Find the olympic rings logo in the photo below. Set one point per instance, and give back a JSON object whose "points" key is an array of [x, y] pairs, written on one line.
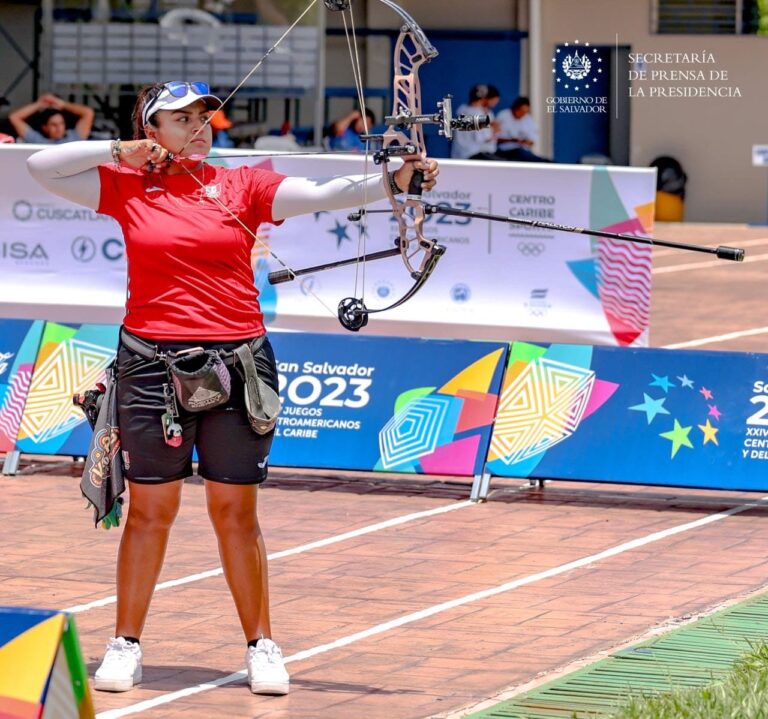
{"points": [[531, 249]]}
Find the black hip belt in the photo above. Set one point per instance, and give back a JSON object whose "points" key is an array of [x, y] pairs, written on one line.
{"points": [[151, 352], [198, 380]]}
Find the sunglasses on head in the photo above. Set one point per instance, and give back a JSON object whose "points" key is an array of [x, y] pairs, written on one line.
{"points": [[180, 89], [176, 89]]}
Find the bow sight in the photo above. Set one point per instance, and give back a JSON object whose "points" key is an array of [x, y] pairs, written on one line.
{"points": [[443, 117]]}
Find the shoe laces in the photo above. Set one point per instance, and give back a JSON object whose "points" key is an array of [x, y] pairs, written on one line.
{"points": [[266, 652], [120, 653]]}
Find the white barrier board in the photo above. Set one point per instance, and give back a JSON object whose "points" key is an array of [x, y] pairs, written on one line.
{"points": [[62, 262]]}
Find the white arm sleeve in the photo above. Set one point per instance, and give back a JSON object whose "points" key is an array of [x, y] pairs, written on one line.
{"points": [[69, 170], [302, 195]]}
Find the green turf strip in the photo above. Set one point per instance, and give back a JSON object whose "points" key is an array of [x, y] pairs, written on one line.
{"points": [[693, 656]]}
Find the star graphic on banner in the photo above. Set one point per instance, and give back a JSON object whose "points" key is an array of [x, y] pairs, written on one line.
{"points": [[662, 382], [318, 214], [710, 432], [715, 412], [678, 436], [707, 394], [651, 407], [685, 382], [341, 233]]}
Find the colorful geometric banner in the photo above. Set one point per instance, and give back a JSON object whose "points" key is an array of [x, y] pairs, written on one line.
{"points": [[42, 672], [19, 342], [641, 416], [72, 359], [386, 404], [619, 274]]}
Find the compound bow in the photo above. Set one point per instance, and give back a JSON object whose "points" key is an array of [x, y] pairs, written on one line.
{"points": [[404, 137]]}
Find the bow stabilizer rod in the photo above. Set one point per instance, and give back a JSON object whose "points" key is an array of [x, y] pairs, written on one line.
{"points": [[723, 252], [288, 275]]}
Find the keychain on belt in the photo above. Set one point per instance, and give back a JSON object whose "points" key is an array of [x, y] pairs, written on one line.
{"points": [[171, 428]]}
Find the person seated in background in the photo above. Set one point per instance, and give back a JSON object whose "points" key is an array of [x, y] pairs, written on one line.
{"points": [[478, 144], [220, 123], [53, 125], [517, 133], [345, 132]]}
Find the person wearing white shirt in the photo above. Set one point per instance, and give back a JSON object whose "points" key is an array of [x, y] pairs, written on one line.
{"points": [[517, 133], [478, 144]]}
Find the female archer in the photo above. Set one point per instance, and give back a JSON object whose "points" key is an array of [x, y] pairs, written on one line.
{"points": [[189, 229]]}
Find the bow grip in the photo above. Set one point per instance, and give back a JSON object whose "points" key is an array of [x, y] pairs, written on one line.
{"points": [[414, 187]]}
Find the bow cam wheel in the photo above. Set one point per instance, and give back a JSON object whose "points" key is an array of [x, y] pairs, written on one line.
{"points": [[353, 314]]}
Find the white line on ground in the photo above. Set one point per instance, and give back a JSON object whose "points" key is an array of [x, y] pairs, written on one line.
{"points": [[437, 608], [395, 521], [702, 265], [718, 338]]}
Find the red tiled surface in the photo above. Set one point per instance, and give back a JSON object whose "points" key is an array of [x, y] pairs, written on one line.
{"points": [[52, 557]]}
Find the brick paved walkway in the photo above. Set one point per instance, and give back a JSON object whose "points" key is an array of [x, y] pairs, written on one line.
{"points": [[445, 661]]}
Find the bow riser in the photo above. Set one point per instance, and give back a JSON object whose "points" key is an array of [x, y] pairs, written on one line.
{"points": [[416, 249]]}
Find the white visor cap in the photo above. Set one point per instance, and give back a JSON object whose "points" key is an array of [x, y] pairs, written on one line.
{"points": [[166, 100]]}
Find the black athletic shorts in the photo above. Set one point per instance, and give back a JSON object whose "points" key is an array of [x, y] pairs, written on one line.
{"points": [[228, 449]]}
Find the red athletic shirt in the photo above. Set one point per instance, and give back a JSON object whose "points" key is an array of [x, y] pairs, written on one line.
{"points": [[189, 260]]}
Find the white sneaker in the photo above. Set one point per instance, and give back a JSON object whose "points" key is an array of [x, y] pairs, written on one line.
{"points": [[121, 668], [266, 670]]}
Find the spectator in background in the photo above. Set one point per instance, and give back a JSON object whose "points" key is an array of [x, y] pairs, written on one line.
{"points": [[345, 132], [220, 123], [518, 133], [53, 125], [479, 144]]}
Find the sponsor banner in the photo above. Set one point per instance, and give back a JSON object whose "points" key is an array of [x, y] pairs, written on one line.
{"points": [[386, 404], [640, 416], [72, 359], [19, 342], [495, 280]]}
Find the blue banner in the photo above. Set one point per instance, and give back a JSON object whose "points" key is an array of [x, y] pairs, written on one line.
{"points": [[386, 404], [643, 416]]}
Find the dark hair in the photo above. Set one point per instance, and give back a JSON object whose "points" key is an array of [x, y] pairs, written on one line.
{"points": [[521, 101], [47, 114], [146, 94], [370, 115], [483, 92]]}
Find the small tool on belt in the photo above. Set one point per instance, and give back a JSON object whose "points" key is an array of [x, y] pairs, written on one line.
{"points": [[172, 430]]}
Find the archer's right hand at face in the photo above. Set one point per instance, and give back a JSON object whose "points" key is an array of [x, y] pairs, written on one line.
{"points": [[143, 154]]}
